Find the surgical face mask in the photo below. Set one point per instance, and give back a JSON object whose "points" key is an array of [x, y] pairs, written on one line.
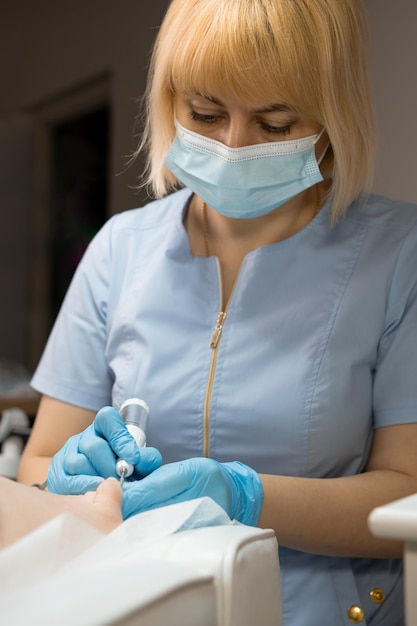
{"points": [[243, 182]]}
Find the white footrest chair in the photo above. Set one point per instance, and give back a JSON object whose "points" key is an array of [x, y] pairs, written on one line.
{"points": [[180, 565]]}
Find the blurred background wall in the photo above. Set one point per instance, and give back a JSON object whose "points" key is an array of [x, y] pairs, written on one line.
{"points": [[71, 74], [393, 26]]}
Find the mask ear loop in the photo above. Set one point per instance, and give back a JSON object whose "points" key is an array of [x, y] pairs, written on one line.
{"points": [[317, 139]]}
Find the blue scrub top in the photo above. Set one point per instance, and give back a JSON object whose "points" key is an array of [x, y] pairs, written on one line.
{"points": [[319, 348]]}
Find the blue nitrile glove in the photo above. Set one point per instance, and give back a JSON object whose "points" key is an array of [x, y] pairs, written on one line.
{"points": [[89, 457], [235, 487]]}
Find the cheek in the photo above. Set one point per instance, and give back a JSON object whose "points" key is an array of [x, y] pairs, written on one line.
{"points": [[181, 116], [178, 108]]}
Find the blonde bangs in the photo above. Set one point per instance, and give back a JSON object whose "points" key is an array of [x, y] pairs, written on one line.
{"points": [[233, 50]]}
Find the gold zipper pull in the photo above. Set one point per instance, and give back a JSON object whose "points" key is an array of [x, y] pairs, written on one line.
{"points": [[215, 338]]}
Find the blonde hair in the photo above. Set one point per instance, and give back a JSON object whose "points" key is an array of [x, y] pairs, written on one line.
{"points": [[309, 54]]}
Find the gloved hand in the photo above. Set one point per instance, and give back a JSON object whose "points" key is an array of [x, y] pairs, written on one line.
{"points": [[235, 487], [89, 457]]}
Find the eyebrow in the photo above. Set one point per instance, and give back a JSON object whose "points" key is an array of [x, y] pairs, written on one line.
{"points": [[273, 108], [276, 107]]}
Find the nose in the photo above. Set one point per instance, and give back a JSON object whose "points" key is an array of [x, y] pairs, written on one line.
{"points": [[236, 133]]}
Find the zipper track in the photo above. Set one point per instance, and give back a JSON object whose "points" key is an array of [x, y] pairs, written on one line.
{"points": [[214, 345]]}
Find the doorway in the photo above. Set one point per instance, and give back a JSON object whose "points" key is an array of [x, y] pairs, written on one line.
{"points": [[71, 191]]}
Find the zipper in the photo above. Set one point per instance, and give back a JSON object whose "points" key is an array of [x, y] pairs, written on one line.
{"points": [[214, 345], [215, 337]]}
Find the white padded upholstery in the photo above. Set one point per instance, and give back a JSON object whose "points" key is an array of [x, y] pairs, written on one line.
{"points": [[398, 520], [151, 571]]}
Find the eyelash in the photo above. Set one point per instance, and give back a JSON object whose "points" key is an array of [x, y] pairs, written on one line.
{"points": [[211, 119], [276, 130]]}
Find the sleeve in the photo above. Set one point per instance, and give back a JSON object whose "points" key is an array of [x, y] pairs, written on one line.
{"points": [[395, 382], [73, 367]]}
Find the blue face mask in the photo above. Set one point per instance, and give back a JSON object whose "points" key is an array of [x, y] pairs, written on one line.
{"points": [[243, 182]]}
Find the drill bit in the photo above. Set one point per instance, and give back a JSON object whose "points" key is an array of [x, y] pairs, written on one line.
{"points": [[123, 471]]}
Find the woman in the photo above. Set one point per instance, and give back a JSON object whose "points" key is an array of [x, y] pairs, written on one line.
{"points": [[266, 311]]}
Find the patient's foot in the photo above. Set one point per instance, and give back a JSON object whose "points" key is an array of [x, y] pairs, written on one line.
{"points": [[23, 508], [101, 508]]}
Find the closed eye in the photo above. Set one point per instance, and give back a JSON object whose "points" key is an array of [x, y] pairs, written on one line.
{"points": [[203, 117], [276, 130]]}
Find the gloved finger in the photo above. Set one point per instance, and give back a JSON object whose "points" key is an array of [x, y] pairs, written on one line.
{"points": [[150, 460], [73, 485], [160, 488], [77, 463], [109, 425], [68, 461], [167, 481], [98, 454]]}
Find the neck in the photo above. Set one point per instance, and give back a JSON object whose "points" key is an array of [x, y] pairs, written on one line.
{"points": [[218, 232]]}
